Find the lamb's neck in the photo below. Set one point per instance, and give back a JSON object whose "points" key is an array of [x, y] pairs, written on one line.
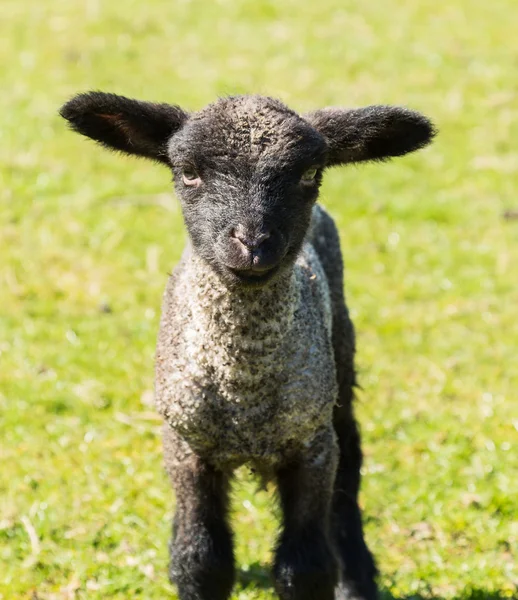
{"points": [[252, 319]]}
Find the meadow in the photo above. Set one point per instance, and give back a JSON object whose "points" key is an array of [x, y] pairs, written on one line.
{"points": [[87, 239]]}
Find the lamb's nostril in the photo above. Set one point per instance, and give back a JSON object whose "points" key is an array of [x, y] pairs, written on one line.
{"points": [[248, 239], [257, 240]]}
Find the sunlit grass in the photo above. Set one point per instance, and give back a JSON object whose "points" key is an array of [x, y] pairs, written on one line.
{"points": [[87, 239]]}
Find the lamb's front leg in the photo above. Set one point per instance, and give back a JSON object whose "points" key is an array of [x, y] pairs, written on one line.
{"points": [[202, 561], [305, 565]]}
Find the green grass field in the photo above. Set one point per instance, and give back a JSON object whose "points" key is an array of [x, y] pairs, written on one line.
{"points": [[87, 239]]}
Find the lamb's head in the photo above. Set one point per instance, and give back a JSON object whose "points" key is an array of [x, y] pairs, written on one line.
{"points": [[247, 169]]}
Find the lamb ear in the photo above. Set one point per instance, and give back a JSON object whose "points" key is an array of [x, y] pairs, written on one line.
{"points": [[371, 133], [119, 123]]}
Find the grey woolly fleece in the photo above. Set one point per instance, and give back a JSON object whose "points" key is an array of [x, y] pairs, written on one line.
{"points": [[248, 375]]}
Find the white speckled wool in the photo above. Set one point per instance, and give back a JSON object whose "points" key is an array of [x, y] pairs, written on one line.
{"points": [[248, 375]]}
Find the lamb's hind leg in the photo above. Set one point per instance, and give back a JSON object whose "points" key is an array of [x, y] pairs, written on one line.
{"points": [[358, 567], [305, 565], [202, 562]]}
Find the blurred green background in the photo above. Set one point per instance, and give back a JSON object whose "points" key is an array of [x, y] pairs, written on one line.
{"points": [[87, 239]]}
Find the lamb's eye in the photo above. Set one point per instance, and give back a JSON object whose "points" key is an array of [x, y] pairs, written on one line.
{"points": [[190, 177], [309, 175]]}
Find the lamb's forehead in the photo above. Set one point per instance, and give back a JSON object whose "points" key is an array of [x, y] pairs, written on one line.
{"points": [[256, 126]]}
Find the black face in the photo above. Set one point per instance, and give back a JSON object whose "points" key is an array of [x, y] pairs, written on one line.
{"points": [[247, 187], [247, 168]]}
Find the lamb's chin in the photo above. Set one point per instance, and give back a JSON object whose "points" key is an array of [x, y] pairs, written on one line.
{"points": [[238, 279], [252, 279]]}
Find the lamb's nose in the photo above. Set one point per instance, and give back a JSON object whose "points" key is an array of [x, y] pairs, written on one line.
{"points": [[251, 240]]}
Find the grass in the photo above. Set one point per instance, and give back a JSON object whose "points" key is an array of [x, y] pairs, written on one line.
{"points": [[87, 239]]}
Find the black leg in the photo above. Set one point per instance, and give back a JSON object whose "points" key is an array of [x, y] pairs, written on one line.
{"points": [[202, 562], [305, 566], [358, 567]]}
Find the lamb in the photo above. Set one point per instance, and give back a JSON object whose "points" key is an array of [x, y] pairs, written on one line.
{"points": [[255, 355]]}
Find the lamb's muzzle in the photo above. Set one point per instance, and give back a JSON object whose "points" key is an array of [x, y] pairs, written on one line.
{"points": [[254, 251]]}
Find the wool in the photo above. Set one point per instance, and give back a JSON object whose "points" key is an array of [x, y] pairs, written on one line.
{"points": [[248, 376]]}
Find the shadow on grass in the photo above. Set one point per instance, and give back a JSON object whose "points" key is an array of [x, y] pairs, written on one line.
{"points": [[467, 594], [258, 576]]}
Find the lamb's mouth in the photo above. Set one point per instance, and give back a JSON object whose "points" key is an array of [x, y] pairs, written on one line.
{"points": [[254, 277]]}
